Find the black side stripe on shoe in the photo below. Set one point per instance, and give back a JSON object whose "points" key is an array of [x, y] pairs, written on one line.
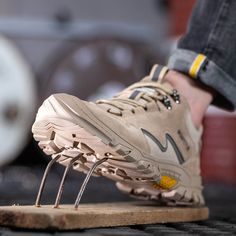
{"points": [[134, 94], [164, 148]]}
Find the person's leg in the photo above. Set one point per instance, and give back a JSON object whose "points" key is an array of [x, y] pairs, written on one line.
{"points": [[203, 66]]}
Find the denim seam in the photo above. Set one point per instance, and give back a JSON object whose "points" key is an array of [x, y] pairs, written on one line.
{"points": [[215, 30], [212, 76]]}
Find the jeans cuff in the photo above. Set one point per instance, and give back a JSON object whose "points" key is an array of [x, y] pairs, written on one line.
{"points": [[199, 67]]}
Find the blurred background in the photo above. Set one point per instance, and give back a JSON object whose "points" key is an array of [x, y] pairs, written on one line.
{"points": [[91, 49]]}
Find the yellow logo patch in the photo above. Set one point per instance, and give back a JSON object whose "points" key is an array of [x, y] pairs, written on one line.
{"points": [[166, 182]]}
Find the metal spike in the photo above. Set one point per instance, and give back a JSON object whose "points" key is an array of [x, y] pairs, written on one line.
{"points": [[95, 165], [42, 184], [61, 188]]}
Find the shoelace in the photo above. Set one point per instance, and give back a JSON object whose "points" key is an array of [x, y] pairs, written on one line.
{"points": [[160, 93]]}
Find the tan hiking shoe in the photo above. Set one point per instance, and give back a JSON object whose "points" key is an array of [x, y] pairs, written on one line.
{"points": [[146, 133]]}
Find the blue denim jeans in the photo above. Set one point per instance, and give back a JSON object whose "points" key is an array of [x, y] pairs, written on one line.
{"points": [[207, 52]]}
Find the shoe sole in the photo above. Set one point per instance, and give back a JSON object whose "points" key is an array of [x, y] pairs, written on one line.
{"points": [[133, 173]]}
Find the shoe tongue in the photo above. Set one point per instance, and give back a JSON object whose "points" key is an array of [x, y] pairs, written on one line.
{"points": [[157, 74], [132, 94], [145, 90]]}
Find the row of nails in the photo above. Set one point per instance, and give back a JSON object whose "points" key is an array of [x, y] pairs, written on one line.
{"points": [[61, 188]]}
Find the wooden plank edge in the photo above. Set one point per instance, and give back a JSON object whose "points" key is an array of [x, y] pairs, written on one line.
{"points": [[65, 220]]}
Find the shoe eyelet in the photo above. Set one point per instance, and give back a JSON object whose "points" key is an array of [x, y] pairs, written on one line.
{"points": [[176, 97], [133, 111], [145, 108], [166, 102]]}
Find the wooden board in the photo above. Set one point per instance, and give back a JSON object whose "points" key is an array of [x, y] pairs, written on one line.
{"points": [[97, 215]]}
